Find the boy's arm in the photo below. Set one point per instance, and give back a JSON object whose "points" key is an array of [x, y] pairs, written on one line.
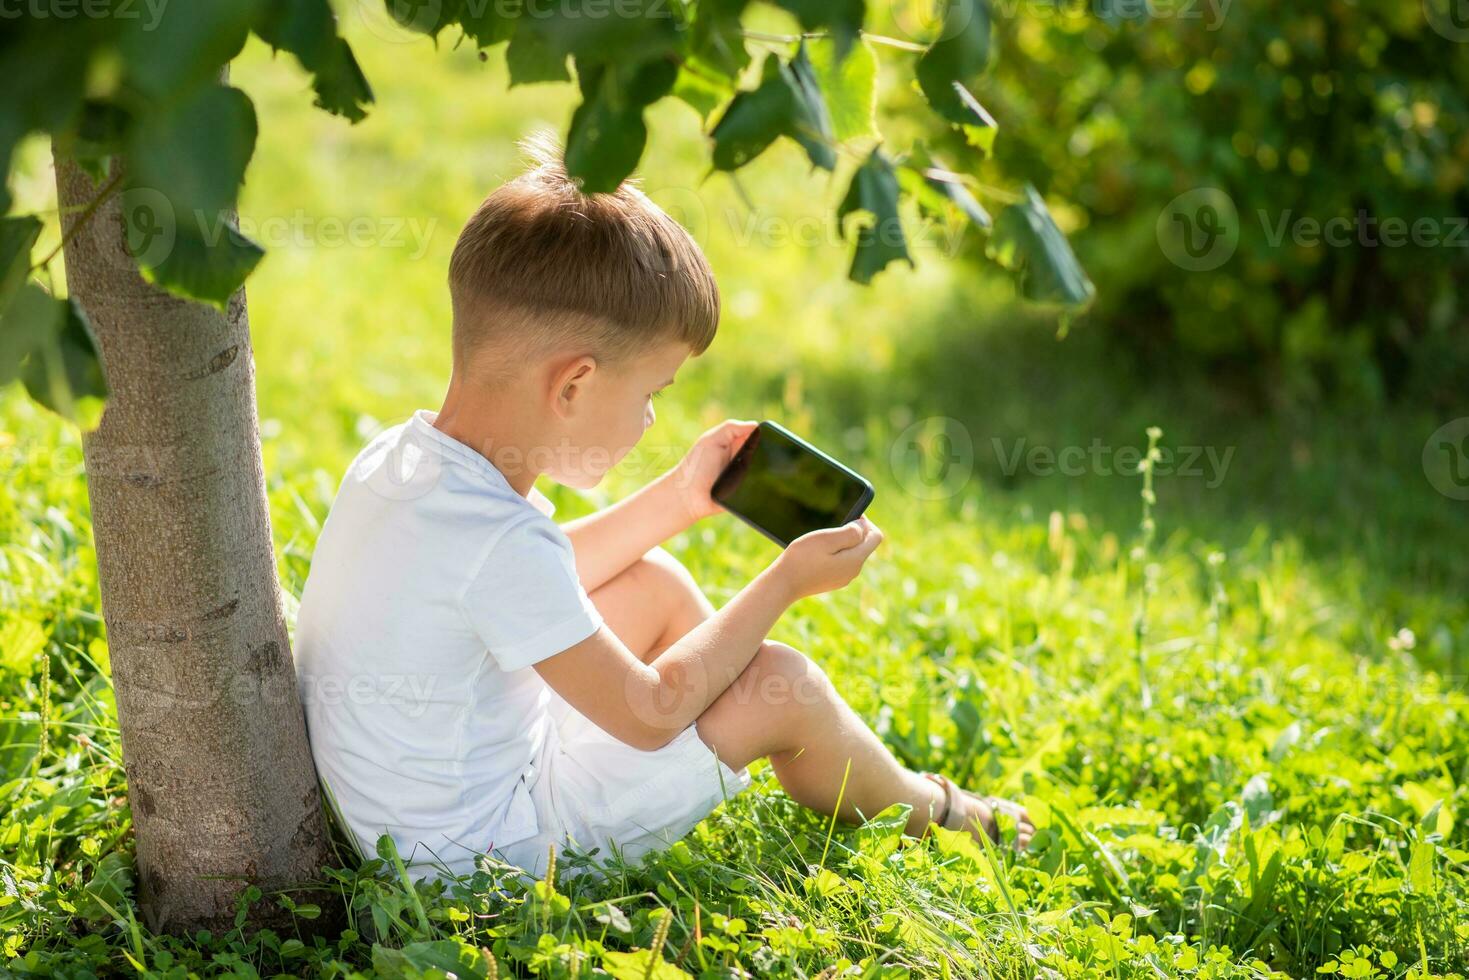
{"points": [[646, 704], [613, 538]]}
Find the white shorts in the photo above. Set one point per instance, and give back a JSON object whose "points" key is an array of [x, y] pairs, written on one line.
{"points": [[596, 792]]}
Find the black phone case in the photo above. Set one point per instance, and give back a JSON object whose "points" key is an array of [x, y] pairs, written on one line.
{"points": [[749, 445]]}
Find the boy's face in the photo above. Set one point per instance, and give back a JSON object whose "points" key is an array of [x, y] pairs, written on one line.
{"points": [[606, 409]]}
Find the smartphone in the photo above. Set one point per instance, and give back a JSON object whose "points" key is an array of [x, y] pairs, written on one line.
{"points": [[783, 486]]}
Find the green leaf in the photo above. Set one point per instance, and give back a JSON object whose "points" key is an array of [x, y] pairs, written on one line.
{"points": [[874, 189], [21, 639], [187, 167], [27, 319], [17, 237], [1257, 800], [957, 57], [631, 32], [65, 374], [641, 964], [308, 30], [435, 958], [106, 895], [812, 123], [184, 45], [716, 37], [96, 135], [703, 90], [531, 57], [196, 154], [45, 71], [937, 189], [980, 129], [488, 22], [607, 132], [788, 102], [1262, 879], [205, 258], [427, 16], [753, 120], [62, 368], [842, 17], [880, 836], [1420, 867], [849, 86], [1026, 241]]}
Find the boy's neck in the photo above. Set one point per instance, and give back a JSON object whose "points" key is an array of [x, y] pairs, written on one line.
{"points": [[490, 428]]}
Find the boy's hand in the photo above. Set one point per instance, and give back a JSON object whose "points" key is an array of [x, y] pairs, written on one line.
{"points": [[693, 478], [826, 560]]}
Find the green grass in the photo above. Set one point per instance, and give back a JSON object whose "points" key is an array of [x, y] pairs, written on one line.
{"points": [[1273, 779]]}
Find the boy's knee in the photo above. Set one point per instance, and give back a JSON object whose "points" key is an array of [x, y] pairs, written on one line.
{"points": [[782, 676], [668, 577], [658, 560]]}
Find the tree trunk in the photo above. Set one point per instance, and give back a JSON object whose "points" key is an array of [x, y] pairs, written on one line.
{"points": [[220, 778]]}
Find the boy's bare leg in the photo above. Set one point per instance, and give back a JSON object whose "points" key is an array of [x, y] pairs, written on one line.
{"points": [[782, 706], [652, 603]]}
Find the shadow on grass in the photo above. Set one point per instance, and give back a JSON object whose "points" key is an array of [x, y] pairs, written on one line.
{"points": [[1043, 424]]}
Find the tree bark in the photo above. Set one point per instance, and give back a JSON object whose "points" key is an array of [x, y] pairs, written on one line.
{"points": [[220, 777]]}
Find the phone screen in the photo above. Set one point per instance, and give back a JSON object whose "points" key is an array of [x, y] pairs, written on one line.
{"points": [[784, 487]]}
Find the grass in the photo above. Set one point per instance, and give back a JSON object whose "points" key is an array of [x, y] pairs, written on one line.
{"points": [[1259, 770]]}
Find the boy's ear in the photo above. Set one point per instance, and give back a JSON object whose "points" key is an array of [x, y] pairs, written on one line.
{"points": [[569, 384]]}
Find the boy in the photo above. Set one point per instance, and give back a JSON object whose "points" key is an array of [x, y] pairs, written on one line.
{"points": [[479, 679]]}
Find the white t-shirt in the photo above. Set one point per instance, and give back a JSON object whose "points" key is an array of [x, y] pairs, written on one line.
{"points": [[433, 589]]}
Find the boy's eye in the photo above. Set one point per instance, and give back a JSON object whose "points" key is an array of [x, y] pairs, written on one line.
{"points": [[658, 393]]}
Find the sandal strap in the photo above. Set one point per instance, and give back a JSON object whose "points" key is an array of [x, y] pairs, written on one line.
{"points": [[949, 793]]}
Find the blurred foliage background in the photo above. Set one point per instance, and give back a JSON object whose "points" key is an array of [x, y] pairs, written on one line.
{"points": [[1299, 113]]}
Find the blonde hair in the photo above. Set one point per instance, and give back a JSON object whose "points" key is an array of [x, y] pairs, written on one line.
{"points": [[541, 264]]}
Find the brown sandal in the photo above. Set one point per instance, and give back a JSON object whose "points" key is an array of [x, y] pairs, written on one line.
{"points": [[952, 792]]}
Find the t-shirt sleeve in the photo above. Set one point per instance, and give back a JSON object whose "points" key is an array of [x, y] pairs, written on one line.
{"points": [[524, 600]]}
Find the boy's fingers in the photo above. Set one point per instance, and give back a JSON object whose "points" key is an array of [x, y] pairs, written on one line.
{"points": [[858, 533], [870, 543], [839, 538]]}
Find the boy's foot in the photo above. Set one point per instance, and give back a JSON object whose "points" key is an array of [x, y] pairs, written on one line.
{"points": [[963, 810]]}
